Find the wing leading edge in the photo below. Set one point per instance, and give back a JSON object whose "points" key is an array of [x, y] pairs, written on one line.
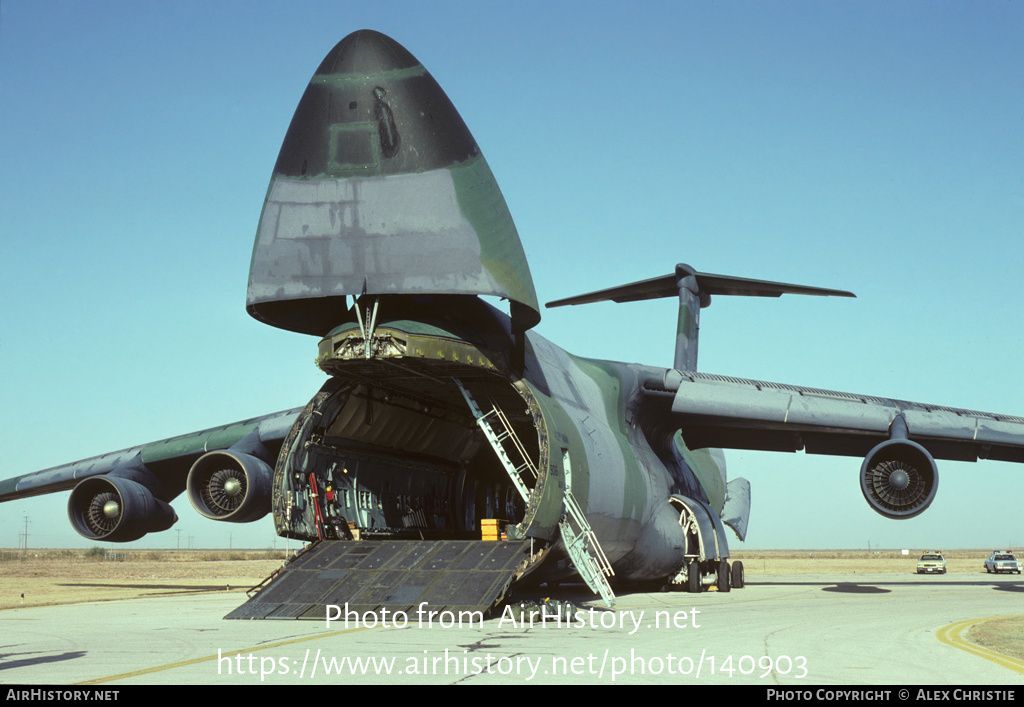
{"points": [[122, 495], [720, 411], [178, 453], [899, 439]]}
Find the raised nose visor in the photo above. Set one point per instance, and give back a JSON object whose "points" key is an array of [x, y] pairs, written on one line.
{"points": [[380, 189], [415, 577]]}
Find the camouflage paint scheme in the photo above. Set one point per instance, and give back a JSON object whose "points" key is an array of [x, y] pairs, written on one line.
{"points": [[380, 188], [382, 228]]}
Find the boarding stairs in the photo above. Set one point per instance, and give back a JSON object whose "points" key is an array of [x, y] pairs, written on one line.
{"points": [[498, 439], [579, 538], [585, 551]]}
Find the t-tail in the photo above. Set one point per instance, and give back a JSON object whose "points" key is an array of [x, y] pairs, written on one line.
{"points": [[694, 290]]}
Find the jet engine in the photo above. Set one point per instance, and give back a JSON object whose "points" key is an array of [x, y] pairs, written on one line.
{"points": [[899, 478], [230, 485], [116, 509]]}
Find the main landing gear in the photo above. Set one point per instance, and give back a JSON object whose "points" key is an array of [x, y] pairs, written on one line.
{"points": [[722, 575]]}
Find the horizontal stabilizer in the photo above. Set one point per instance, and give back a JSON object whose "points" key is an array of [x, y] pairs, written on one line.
{"points": [[709, 284]]}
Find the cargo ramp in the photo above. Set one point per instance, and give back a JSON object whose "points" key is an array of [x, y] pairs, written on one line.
{"points": [[369, 575]]}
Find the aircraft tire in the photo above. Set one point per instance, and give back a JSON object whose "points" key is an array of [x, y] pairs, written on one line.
{"points": [[723, 576], [738, 580], [693, 578]]}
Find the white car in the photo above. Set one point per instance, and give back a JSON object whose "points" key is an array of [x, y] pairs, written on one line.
{"points": [[931, 562], [1003, 561]]}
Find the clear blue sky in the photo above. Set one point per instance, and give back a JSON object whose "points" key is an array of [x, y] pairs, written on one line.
{"points": [[870, 146]]}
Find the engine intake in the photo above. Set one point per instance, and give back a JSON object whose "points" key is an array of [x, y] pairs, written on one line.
{"points": [[231, 486], [899, 478], [117, 510]]}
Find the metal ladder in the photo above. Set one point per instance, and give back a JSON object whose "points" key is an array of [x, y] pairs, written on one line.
{"points": [[580, 541], [582, 545], [497, 440]]}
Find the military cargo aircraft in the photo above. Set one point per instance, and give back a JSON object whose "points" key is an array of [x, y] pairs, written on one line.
{"points": [[452, 451]]}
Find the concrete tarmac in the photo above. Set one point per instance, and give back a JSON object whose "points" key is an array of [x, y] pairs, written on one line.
{"points": [[798, 630]]}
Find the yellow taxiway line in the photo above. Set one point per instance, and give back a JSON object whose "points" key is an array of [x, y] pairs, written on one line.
{"points": [[951, 635], [204, 659]]}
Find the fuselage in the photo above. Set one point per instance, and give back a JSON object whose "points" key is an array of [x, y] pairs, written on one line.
{"points": [[391, 446]]}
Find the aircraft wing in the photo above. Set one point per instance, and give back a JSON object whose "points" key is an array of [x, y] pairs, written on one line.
{"points": [[734, 413], [899, 439], [168, 460]]}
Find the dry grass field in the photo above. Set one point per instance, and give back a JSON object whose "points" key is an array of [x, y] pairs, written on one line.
{"points": [[775, 562], [46, 577], [71, 576]]}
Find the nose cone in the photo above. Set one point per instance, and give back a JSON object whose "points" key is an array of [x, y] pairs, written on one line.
{"points": [[380, 189]]}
